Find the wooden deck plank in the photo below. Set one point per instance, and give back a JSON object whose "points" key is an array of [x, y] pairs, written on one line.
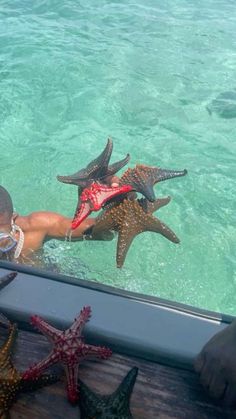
{"points": [[160, 391]]}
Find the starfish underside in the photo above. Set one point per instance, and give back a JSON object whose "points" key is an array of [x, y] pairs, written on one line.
{"points": [[69, 349], [113, 406], [142, 178], [97, 170], [93, 198], [131, 218], [6, 279], [11, 381]]}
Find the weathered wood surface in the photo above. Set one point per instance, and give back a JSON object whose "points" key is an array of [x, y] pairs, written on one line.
{"points": [[160, 391]]}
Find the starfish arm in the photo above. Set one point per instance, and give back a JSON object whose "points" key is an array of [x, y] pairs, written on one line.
{"points": [[153, 206], [107, 193], [121, 397], [148, 191], [125, 238], [10, 388], [88, 400], [97, 351], [160, 202], [6, 279], [74, 180], [71, 180], [71, 371], [80, 190], [100, 164], [81, 213], [6, 367], [94, 170], [36, 370], [127, 384], [157, 226], [38, 382], [115, 167], [12, 385], [49, 331], [7, 347], [163, 174], [81, 319]]}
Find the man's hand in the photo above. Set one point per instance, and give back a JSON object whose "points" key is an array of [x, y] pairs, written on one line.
{"points": [[216, 365], [104, 235]]}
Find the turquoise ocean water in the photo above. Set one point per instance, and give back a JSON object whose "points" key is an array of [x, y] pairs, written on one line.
{"points": [[73, 73]]}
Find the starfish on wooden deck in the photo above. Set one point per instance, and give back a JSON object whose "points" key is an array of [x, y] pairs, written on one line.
{"points": [[98, 170], [112, 406], [131, 218], [93, 198], [11, 381], [142, 178], [6, 279], [69, 349]]}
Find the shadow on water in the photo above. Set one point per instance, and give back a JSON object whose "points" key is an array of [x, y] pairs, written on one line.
{"points": [[224, 105]]}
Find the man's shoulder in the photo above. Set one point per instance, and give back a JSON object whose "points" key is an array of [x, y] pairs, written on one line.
{"points": [[38, 220]]}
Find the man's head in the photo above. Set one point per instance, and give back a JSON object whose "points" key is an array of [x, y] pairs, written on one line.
{"points": [[7, 242], [6, 207]]}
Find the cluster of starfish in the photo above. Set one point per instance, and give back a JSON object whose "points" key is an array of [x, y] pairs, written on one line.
{"points": [[69, 348], [12, 381], [123, 212]]}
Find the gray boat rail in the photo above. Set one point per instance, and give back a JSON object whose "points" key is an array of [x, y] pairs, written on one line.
{"points": [[134, 324]]}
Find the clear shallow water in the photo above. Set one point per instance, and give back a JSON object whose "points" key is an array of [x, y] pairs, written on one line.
{"points": [[72, 74]]}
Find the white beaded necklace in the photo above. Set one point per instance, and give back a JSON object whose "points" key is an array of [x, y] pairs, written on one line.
{"points": [[20, 242]]}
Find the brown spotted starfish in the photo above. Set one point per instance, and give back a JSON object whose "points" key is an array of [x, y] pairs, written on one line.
{"points": [[142, 178], [96, 171], [11, 381], [112, 406], [131, 218], [6, 279], [69, 349]]}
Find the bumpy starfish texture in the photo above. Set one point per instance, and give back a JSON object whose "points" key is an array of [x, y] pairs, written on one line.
{"points": [[142, 178], [93, 198], [11, 381], [131, 218], [69, 349], [113, 406], [6, 279], [98, 170]]}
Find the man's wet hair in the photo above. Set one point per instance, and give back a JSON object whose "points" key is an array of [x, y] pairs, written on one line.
{"points": [[6, 205]]}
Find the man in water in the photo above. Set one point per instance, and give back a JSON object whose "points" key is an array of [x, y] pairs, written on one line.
{"points": [[22, 236], [216, 365]]}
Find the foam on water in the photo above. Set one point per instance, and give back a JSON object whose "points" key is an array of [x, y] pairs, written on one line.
{"points": [[71, 74]]}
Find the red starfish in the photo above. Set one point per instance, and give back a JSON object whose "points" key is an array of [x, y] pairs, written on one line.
{"points": [[69, 349], [93, 198]]}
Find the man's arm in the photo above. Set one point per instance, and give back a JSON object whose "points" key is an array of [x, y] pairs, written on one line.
{"points": [[53, 225]]}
